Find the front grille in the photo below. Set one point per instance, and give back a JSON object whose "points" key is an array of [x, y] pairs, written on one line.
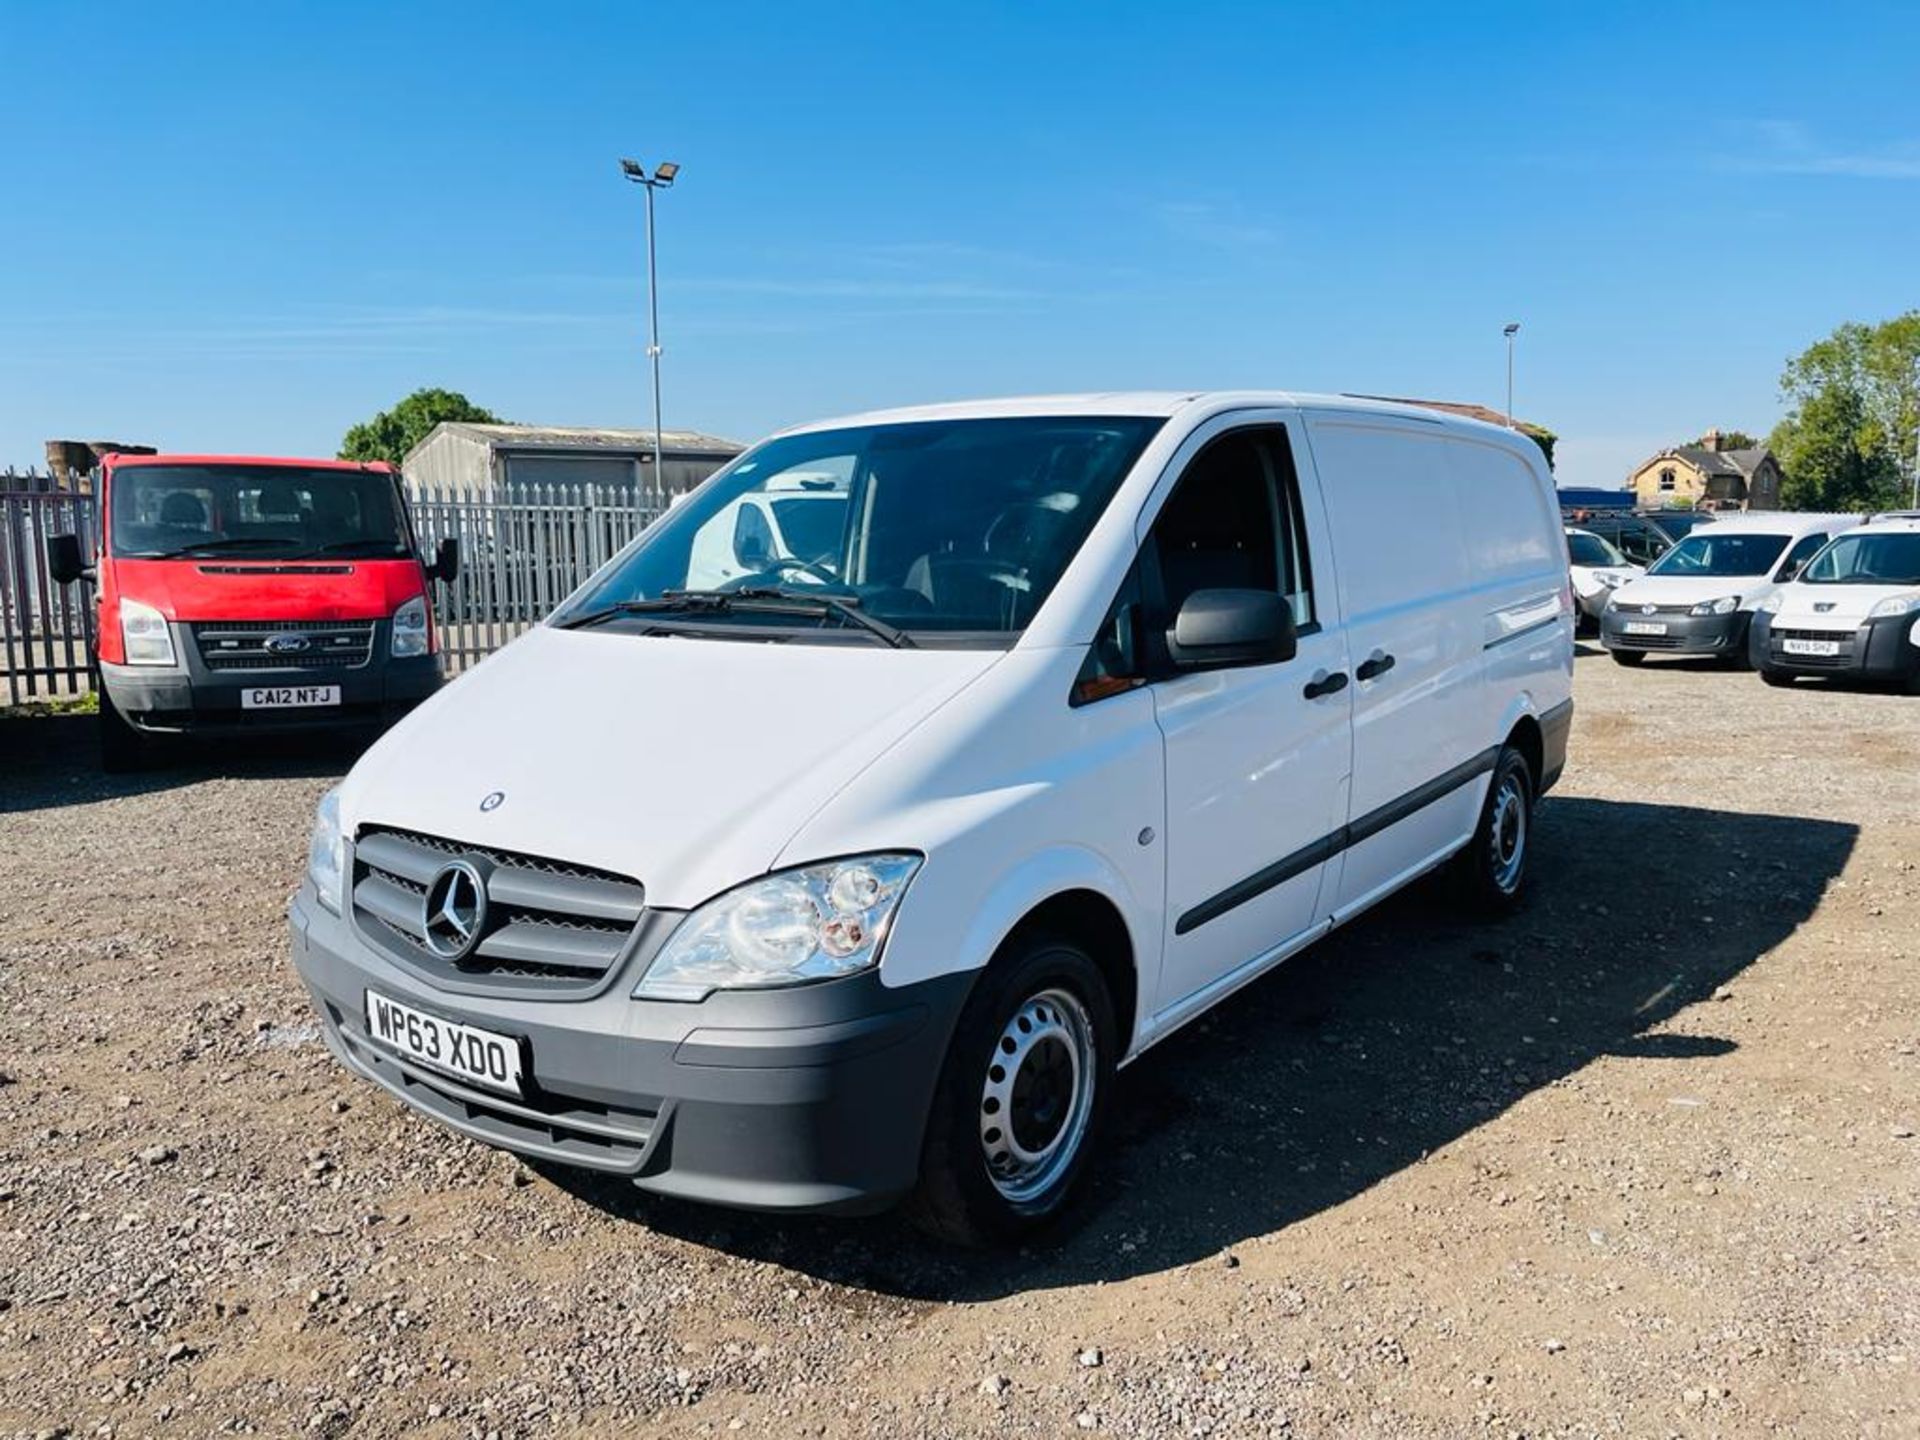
{"points": [[562, 1127], [1629, 611], [242, 644], [1777, 649], [550, 926], [1650, 642]]}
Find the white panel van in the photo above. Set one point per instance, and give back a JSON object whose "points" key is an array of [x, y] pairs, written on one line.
{"points": [[854, 877]]}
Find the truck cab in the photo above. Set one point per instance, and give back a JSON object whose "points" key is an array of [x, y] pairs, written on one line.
{"points": [[238, 594]]}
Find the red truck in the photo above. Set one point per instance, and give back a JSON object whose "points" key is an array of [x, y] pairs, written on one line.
{"points": [[242, 593]]}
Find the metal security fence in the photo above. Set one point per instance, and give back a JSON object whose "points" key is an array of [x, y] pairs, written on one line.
{"points": [[46, 630], [522, 551]]}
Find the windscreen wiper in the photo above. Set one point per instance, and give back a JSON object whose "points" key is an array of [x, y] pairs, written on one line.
{"points": [[764, 599]]}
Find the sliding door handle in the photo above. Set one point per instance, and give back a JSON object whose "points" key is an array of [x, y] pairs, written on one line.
{"points": [[1325, 684], [1375, 665]]}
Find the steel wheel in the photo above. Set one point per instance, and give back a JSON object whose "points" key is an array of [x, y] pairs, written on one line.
{"points": [[1507, 831], [1038, 1095]]}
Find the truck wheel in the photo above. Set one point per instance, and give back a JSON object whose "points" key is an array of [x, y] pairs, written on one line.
{"points": [[1021, 1096], [1492, 870], [1780, 678], [1628, 658], [122, 748]]}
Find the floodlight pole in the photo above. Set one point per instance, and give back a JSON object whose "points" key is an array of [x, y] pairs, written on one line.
{"points": [[663, 175], [1510, 330]]}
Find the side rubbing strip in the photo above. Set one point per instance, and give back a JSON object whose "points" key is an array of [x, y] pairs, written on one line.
{"points": [[1328, 846], [1514, 635]]}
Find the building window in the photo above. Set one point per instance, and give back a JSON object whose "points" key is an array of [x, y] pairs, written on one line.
{"points": [[1666, 480]]}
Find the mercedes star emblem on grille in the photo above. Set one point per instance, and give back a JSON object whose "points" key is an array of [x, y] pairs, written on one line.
{"points": [[454, 911], [287, 642]]}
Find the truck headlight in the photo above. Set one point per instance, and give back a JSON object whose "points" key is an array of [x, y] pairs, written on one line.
{"points": [[409, 629], [1725, 605], [1895, 605], [814, 923], [144, 632], [327, 852]]}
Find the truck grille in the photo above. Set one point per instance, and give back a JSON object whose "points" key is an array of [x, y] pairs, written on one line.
{"points": [[550, 928], [242, 644]]}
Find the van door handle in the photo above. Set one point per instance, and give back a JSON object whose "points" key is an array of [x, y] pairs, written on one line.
{"points": [[1325, 684], [1374, 665]]}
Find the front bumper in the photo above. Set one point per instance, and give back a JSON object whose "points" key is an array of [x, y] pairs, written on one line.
{"points": [[1878, 650], [192, 697], [809, 1098], [1685, 634]]}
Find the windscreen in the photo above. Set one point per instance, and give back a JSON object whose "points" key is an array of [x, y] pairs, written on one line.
{"points": [[1591, 550], [1721, 553], [1891, 558], [268, 512], [930, 526]]}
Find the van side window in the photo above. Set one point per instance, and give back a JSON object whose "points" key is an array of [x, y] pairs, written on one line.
{"points": [[1114, 662], [1802, 551], [752, 538], [1235, 522]]}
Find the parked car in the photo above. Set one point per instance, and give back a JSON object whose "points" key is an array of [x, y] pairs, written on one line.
{"points": [[1699, 598], [1638, 538], [1853, 612], [236, 594], [1596, 570], [814, 896]]}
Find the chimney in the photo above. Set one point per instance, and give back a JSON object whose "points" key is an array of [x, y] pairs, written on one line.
{"points": [[1712, 440]]}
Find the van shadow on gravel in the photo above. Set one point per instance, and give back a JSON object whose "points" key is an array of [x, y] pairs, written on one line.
{"points": [[1387, 1041], [47, 761]]}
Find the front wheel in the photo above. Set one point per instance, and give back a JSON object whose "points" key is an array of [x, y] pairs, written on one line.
{"points": [[122, 748], [1628, 658], [1779, 678], [1021, 1096], [1493, 868]]}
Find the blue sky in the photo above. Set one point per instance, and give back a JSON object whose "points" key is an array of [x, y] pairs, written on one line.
{"points": [[245, 228]]}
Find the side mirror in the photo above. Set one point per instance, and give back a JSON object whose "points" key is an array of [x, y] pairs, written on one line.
{"points": [[1219, 628], [752, 553], [446, 560], [64, 561]]}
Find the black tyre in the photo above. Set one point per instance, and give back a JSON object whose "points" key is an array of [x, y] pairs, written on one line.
{"points": [[1628, 658], [1492, 870], [1780, 678], [1021, 1097], [122, 748]]}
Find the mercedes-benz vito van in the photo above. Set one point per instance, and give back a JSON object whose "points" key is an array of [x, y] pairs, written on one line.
{"points": [[1854, 612], [856, 877]]}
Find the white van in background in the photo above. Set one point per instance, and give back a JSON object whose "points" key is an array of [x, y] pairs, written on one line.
{"points": [[855, 877], [1699, 597], [1853, 613]]}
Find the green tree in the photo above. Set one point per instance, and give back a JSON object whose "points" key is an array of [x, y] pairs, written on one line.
{"points": [[392, 433], [1833, 453], [1729, 440], [1854, 407]]}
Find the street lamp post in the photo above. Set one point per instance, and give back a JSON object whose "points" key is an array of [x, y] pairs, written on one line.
{"points": [[661, 178], [1510, 329]]}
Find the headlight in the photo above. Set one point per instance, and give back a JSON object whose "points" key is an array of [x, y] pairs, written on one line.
{"points": [[1895, 605], [1725, 605], [410, 628], [144, 631], [814, 923], [327, 852], [1773, 603], [1610, 580]]}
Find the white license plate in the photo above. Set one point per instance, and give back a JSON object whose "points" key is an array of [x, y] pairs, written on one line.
{"points": [[1645, 627], [288, 697], [1811, 647], [481, 1056]]}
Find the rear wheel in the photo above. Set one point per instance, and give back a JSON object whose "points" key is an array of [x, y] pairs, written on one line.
{"points": [[1492, 870], [1021, 1096], [122, 748], [1627, 657]]}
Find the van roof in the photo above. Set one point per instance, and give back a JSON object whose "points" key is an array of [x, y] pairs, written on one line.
{"points": [[1165, 403], [1895, 520], [120, 462], [1778, 522]]}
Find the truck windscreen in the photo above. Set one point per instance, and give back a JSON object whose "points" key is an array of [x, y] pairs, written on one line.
{"points": [[272, 512]]}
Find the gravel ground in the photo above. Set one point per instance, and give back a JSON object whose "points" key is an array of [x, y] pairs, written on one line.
{"points": [[1640, 1161]]}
